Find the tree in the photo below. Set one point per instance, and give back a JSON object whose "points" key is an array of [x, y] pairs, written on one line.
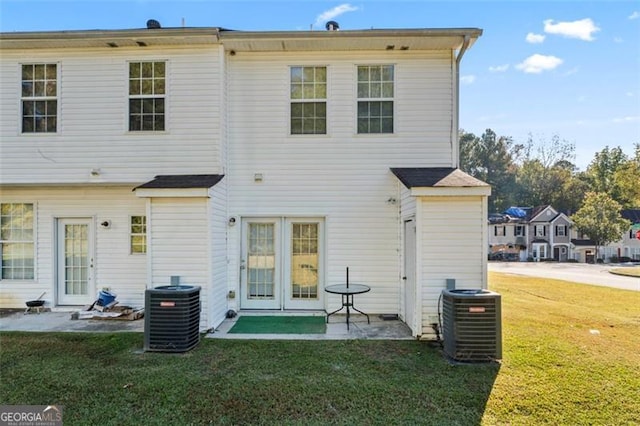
{"points": [[599, 218], [603, 169], [491, 159], [545, 172], [627, 180]]}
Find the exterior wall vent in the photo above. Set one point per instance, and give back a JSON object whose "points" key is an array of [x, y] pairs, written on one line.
{"points": [[472, 327]]}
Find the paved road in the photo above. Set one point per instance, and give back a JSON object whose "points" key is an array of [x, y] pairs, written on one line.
{"points": [[576, 272]]}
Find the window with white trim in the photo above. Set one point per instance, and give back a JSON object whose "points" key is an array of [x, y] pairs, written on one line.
{"points": [[499, 231], [518, 231], [39, 98], [561, 231], [308, 100], [147, 89], [138, 234], [540, 230], [375, 98], [17, 241]]}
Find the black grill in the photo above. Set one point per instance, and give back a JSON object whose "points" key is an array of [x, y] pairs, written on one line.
{"points": [[472, 329], [172, 318]]}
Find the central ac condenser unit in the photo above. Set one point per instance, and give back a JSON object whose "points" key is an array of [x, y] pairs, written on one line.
{"points": [[472, 326]]}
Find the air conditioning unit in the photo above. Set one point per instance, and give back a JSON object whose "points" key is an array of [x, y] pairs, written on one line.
{"points": [[471, 325], [172, 318]]}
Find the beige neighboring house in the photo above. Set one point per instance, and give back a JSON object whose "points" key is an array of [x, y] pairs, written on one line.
{"points": [[623, 250], [258, 165]]}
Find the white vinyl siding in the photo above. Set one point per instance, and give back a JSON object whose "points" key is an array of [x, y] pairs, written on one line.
{"points": [[97, 137], [179, 240], [114, 266], [453, 251], [346, 178]]}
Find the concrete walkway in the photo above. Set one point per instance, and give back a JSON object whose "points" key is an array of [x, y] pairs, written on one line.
{"points": [[336, 329]]}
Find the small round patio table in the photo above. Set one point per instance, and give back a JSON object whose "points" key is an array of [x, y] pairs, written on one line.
{"points": [[347, 291]]}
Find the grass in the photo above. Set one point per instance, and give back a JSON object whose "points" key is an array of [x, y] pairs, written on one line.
{"points": [[633, 271], [556, 370]]}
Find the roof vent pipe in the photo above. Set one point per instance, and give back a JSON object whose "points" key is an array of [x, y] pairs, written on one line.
{"points": [[153, 24], [332, 26]]}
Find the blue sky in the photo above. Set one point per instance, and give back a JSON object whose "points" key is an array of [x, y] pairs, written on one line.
{"points": [[566, 68]]}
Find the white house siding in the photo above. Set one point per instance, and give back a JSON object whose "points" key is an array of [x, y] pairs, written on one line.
{"points": [[451, 244], [114, 266], [341, 176], [179, 238], [219, 287], [93, 117]]}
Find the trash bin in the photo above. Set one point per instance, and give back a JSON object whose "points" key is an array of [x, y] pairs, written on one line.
{"points": [[172, 318]]}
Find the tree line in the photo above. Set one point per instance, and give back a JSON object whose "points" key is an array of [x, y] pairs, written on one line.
{"points": [[541, 172]]}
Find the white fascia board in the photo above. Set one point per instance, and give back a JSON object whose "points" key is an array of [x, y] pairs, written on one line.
{"points": [[172, 192], [451, 191]]}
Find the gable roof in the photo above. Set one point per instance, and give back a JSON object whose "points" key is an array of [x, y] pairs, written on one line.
{"points": [[181, 182], [420, 177]]}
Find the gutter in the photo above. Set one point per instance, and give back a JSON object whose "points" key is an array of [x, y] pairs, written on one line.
{"points": [[455, 147]]}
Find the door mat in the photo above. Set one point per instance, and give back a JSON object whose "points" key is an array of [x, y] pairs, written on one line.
{"points": [[279, 325]]}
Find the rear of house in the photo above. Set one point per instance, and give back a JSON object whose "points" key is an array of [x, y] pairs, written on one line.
{"points": [[257, 165]]}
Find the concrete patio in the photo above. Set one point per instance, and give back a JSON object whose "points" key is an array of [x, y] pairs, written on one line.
{"points": [[60, 321]]}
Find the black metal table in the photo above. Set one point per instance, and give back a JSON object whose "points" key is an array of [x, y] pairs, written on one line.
{"points": [[347, 291]]}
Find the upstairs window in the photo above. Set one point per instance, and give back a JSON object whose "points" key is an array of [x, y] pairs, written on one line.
{"points": [[518, 231], [138, 234], [375, 99], [308, 100], [17, 241], [561, 231], [39, 98], [147, 89], [499, 231]]}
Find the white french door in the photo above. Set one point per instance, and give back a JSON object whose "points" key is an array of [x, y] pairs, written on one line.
{"points": [[75, 261], [282, 263]]}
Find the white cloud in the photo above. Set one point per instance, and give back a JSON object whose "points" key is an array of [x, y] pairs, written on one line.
{"points": [[468, 79], [628, 119], [535, 64], [634, 15], [582, 29], [535, 38], [499, 68], [333, 13]]}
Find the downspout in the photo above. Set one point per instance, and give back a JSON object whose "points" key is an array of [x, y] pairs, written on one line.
{"points": [[455, 148]]}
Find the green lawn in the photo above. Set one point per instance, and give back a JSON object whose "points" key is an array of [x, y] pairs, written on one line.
{"points": [[556, 370]]}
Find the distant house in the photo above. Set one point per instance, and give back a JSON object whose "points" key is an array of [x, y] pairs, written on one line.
{"points": [[256, 165], [543, 233]]}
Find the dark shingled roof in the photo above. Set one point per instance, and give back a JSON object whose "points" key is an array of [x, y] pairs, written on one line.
{"points": [[182, 181], [583, 242], [416, 177], [631, 214]]}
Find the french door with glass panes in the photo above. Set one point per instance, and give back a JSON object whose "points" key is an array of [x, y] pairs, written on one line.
{"points": [[75, 261], [282, 263]]}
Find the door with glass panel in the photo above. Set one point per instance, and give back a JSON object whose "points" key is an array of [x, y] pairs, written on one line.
{"points": [[260, 264], [303, 264], [281, 264], [75, 261]]}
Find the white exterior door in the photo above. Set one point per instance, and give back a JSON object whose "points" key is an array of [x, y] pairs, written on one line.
{"points": [[281, 264], [409, 277], [75, 261]]}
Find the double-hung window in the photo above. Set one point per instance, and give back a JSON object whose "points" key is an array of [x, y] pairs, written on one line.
{"points": [[147, 90], [375, 98], [39, 98], [308, 100], [17, 241], [138, 234]]}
